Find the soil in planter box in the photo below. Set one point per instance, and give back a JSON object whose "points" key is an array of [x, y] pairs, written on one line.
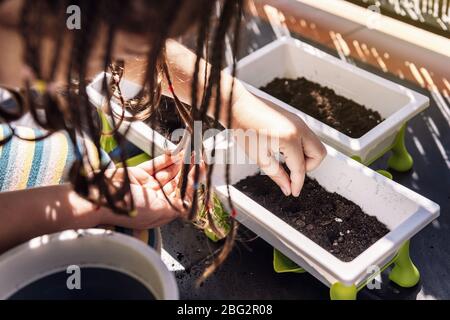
{"points": [[165, 119], [325, 105], [330, 220]]}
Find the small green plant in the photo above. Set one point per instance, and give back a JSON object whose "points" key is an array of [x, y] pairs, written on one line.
{"points": [[218, 227]]}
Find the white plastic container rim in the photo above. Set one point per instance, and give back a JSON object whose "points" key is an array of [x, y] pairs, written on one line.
{"points": [[101, 248]]}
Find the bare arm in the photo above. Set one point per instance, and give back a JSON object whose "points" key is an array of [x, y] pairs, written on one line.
{"points": [[181, 62], [26, 214]]}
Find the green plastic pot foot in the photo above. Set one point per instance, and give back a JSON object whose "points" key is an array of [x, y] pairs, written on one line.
{"points": [[385, 173], [400, 160], [404, 273], [339, 291], [138, 159], [357, 158], [107, 142], [282, 264]]}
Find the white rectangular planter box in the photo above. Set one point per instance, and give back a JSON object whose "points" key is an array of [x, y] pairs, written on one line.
{"points": [[402, 210], [290, 58], [139, 133]]}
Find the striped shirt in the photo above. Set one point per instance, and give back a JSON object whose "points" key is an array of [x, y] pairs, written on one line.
{"points": [[26, 164]]}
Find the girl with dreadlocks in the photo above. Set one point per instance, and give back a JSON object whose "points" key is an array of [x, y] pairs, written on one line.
{"points": [[45, 68]]}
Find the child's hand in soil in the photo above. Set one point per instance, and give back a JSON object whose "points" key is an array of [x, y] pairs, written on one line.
{"points": [[152, 207], [287, 134]]}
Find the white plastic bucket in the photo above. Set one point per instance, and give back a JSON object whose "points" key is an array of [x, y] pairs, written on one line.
{"points": [[48, 254]]}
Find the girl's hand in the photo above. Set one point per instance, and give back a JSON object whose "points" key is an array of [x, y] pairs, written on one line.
{"points": [[152, 207], [302, 150], [278, 131]]}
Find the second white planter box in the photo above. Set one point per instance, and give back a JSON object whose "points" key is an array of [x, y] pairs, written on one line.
{"points": [[290, 58]]}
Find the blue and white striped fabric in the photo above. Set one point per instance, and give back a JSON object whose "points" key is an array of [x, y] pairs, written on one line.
{"points": [[26, 164]]}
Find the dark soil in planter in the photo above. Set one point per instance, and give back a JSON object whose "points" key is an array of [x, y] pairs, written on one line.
{"points": [[325, 105], [330, 220], [165, 119]]}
